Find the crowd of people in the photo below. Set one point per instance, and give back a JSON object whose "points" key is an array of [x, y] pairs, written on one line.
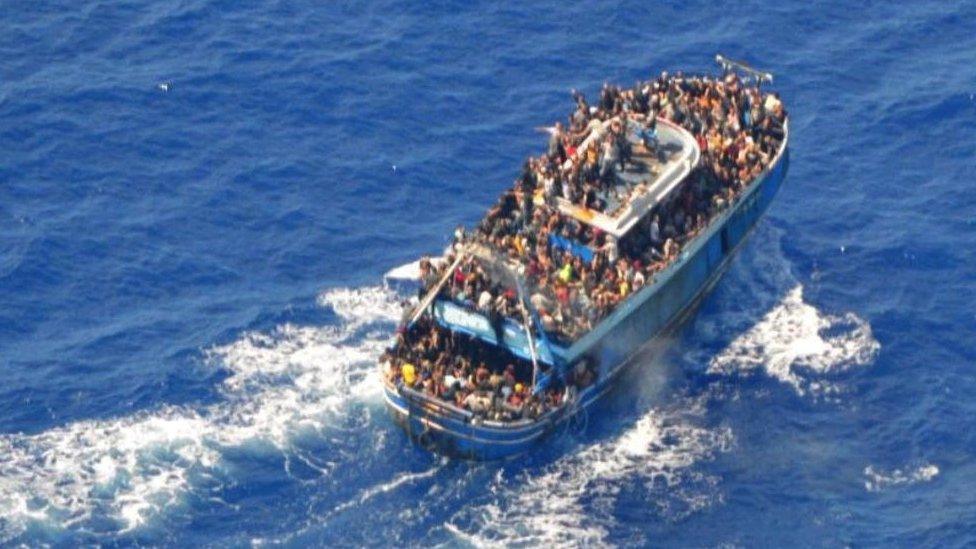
{"points": [[738, 131], [487, 381], [574, 286]]}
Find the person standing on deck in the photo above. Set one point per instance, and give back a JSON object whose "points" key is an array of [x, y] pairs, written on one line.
{"points": [[610, 248], [556, 149], [654, 231], [610, 155]]}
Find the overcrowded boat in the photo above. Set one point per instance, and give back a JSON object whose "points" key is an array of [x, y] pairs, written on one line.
{"points": [[606, 242]]}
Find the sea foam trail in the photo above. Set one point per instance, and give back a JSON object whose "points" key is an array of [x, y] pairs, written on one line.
{"points": [[571, 502], [877, 480], [283, 383]]}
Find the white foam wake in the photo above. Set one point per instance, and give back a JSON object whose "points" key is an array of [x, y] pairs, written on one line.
{"points": [[779, 333], [877, 480], [281, 384], [385, 487], [571, 502], [800, 346]]}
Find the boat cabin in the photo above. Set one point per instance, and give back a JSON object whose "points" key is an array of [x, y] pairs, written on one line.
{"points": [[645, 182]]}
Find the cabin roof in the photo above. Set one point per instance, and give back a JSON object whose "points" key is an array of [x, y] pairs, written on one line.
{"points": [[641, 186]]}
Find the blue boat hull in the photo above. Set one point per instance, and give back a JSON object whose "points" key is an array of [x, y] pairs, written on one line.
{"points": [[657, 310]]}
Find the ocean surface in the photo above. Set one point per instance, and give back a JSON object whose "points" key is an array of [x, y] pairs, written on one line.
{"points": [[199, 198]]}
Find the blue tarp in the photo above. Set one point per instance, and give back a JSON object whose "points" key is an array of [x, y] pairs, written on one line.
{"points": [[460, 319], [575, 248]]}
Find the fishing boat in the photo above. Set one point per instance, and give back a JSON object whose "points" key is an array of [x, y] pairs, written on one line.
{"points": [[547, 362]]}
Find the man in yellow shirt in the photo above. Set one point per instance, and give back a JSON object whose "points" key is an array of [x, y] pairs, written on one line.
{"points": [[409, 372]]}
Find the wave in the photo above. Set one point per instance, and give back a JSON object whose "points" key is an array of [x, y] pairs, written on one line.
{"points": [[780, 333], [386, 487], [571, 502], [798, 345], [877, 480], [289, 381]]}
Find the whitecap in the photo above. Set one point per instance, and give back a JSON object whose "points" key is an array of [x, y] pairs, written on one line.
{"points": [[799, 345], [877, 480], [779, 333]]}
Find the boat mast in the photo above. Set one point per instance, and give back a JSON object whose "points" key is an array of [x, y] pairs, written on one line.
{"points": [[528, 331], [514, 273], [432, 293]]}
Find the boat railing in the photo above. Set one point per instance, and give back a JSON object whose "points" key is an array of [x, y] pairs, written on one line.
{"points": [[740, 66], [441, 407], [675, 172], [507, 424], [594, 137]]}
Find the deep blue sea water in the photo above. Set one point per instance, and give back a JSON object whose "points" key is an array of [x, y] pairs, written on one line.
{"points": [[198, 199]]}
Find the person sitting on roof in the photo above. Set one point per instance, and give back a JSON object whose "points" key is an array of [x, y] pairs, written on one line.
{"points": [[619, 129], [556, 149]]}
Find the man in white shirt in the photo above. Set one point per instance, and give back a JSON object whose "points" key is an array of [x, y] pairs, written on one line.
{"points": [[484, 301], [654, 232]]}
